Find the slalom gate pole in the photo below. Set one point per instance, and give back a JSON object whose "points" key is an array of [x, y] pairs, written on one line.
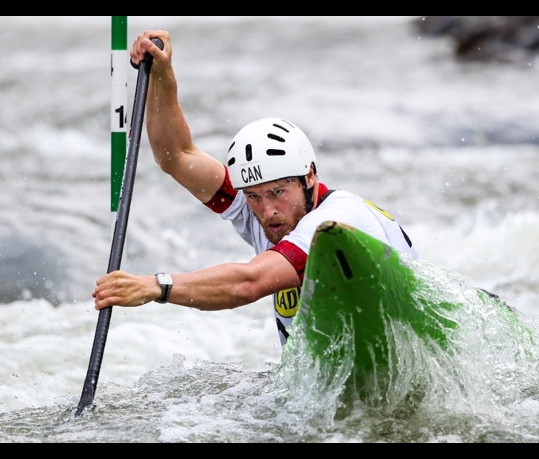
{"points": [[119, 63]]}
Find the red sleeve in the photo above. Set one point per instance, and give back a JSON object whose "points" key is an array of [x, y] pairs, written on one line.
{"points": [[224, 197], [296, 256]]}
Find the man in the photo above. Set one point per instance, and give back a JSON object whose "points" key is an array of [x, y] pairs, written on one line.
{"points": [[268, 189]]}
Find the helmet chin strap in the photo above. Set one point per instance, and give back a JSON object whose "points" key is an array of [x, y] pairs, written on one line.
{"points": [[309, 203]]}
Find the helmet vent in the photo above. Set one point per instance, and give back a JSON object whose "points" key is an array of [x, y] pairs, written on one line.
{"points": [[274, 152], [275, 137], [281, 127], [232, 160], [249, 152]]}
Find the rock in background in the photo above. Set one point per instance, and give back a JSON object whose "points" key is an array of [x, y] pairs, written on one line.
{"points": [[487, 38]]}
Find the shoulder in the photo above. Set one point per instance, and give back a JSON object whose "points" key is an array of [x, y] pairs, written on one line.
{"points": [[338, 197]]}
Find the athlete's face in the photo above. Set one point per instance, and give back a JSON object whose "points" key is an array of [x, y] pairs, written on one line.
{"points": [[278, 206]]}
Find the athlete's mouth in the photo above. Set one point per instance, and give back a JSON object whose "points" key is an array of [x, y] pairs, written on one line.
{"points": [[276, 227]]}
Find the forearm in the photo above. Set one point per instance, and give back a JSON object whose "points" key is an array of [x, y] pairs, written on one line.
{"points": [[224, 286]]}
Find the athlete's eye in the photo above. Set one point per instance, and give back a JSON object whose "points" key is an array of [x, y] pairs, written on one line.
{"points": [[253, 197]]}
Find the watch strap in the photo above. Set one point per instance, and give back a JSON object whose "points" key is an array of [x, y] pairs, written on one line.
{"points": [[166, 287]]}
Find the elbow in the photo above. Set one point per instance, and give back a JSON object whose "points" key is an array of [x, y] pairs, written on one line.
{"points": [[165, 162]]}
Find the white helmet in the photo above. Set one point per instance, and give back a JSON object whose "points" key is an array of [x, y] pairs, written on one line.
{"points": [[269, 149]]}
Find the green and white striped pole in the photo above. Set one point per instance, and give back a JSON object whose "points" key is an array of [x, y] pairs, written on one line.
{"points": [[118, 110]]}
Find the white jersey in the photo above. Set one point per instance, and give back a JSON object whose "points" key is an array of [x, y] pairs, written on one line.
{"points": [[340, 206]]}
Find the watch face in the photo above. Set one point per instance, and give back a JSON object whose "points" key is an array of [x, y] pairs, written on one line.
{"points": [[164, 279]]}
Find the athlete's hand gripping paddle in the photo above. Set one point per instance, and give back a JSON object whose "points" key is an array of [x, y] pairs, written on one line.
{"points": [[118, 239]]}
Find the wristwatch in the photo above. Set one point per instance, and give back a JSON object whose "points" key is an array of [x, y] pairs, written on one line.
{"points": [[165, 282]]}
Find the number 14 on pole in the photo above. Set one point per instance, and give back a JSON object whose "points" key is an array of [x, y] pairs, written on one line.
{"points": [[119, 60]]}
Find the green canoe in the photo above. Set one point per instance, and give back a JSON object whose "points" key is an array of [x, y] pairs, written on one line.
{"points": [[370, 317]]}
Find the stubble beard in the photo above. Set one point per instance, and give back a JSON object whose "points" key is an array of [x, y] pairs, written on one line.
{"points": [[289, 226]]}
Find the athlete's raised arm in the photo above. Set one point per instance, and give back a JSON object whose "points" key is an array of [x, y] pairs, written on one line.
{"points": [[168, 131]]}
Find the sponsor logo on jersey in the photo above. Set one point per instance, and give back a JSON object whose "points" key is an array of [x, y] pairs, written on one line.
{"points": [[287, 302]]}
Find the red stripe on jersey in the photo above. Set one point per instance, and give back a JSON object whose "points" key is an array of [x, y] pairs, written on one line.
{"points": [[224, 197], [296, 256]]}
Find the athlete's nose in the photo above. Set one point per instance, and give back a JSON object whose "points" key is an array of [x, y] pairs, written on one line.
{"points": [[268, 208]]}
